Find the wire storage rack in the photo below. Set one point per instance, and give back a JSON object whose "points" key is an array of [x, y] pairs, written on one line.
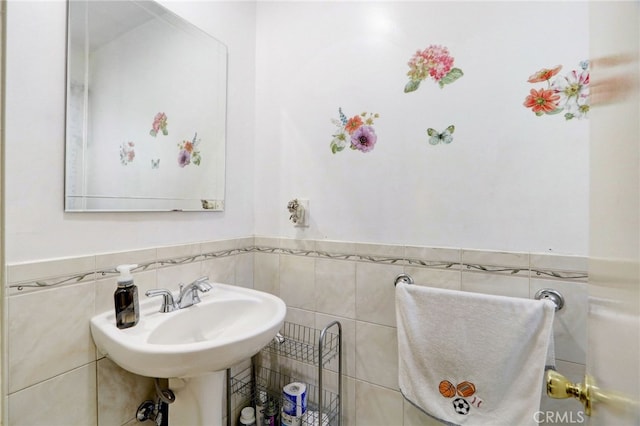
{"points": [[307, 345]]}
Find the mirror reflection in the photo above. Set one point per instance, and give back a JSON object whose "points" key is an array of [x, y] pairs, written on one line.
{"points": [[146, 110]]}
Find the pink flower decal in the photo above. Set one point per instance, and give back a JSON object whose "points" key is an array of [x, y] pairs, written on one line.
{"points": [[159, 124], [357, 132], [568, 93], [435, 62], [127, 153]]}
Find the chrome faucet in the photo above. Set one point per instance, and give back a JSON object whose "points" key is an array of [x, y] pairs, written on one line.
{"points": [[189, 293], [187, 296], [168, 304]]}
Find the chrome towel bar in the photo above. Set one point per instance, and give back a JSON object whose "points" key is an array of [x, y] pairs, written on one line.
{"points": [[543, 294]]}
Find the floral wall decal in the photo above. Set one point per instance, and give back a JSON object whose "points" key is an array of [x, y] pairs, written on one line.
{"points": [[357, 132], [159, 124], [435, 62], [568, 93], [189, 152], [127, 152], [445, 137]]}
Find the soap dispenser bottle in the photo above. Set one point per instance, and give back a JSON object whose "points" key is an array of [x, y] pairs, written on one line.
{"points": [[126, 298]]}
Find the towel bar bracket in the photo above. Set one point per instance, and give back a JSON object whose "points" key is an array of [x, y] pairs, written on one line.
{"points": [[551, 294], [403, 278]]}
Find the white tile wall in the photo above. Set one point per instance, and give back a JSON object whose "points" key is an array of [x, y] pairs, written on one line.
{"points": [[377, 405], [377, 354], [120, 393], [297, 281], [375, 298], [370, 361], [335, 287], [51, 355], [49, 334], [63, 400]]}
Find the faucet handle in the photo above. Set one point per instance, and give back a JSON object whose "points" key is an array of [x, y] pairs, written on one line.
{"points": [[189, 293], [168, 304], [203, 284]]}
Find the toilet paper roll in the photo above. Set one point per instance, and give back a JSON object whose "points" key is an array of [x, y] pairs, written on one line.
{"points": [[294, 399], [287, 420]]}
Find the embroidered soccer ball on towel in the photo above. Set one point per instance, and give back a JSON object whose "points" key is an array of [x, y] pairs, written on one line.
{"points": [[464, 391]]}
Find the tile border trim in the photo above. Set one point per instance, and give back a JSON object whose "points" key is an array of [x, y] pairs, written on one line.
{"points": [[531, 272]]}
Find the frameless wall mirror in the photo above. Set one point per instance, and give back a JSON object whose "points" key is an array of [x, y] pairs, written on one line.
{"points": [[146, 110]]}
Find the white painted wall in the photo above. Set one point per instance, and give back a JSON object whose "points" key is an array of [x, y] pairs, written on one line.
{"points": [[509, 181]]}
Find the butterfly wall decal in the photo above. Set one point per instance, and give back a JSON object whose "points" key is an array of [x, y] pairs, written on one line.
{"points": [[155, 163], [445, 137]]}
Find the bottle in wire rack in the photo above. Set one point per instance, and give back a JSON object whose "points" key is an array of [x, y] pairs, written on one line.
{"points": [[247, 417], [271, 413], [261, 405]]}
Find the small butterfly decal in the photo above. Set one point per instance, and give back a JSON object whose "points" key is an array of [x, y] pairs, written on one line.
{"points": [[155, 163], [445, 137]]}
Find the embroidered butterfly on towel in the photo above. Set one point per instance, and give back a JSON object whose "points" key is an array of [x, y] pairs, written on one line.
{"points": [[445, 137]]}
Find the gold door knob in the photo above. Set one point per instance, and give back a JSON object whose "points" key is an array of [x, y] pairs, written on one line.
{"points": [[560, 387]]}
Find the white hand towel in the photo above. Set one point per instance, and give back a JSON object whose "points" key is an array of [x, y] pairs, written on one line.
{"points": [[472, 359]]}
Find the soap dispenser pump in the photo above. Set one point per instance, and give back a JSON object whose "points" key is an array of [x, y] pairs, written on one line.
{"points": [[126, 299]]}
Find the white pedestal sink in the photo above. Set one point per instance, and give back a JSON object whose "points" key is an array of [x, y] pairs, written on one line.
{"points": [[193, 346], [198, 400]]}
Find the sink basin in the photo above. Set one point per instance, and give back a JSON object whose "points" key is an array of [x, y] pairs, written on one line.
{"points": [[229, 325]]}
